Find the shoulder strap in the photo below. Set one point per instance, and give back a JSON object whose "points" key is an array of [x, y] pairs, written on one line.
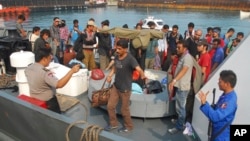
{"points": [[223, 128], [30, 36], [168, 34]]}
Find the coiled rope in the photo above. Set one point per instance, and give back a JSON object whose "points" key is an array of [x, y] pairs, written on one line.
{"points": [[89, 133]]}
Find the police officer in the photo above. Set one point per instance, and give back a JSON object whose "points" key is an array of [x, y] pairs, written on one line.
{"points": [[223, 113], [42, 82]]}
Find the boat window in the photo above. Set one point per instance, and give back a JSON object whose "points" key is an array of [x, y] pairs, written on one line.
{"points": [[160, 23]]}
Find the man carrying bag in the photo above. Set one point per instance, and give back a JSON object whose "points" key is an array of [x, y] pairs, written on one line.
{"points": [[123, 68]]}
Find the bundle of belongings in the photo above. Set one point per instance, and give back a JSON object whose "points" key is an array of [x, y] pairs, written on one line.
{"points": [[8, 82], [154, 87], [140, 38]]}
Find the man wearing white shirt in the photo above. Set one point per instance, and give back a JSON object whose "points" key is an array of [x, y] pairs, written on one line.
{"points": [[163, 46]]}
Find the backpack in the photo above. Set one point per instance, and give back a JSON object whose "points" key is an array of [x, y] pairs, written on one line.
{"points": [[196, 76]]}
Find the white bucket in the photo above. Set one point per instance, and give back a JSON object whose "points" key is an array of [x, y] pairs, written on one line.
{"points": [[20, 75], [24, 88]]}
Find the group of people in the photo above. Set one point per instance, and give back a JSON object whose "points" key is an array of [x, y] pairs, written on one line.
{"points": [[175, 54]]}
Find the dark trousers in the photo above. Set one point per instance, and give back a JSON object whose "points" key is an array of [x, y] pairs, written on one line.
{"points": [[53, 105], [190, 105], [167, 62]]}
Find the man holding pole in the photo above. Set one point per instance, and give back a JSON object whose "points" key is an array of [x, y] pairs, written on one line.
{"points": [[223, 112]]}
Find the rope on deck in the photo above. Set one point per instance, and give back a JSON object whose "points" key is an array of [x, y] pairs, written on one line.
{"points": [[89, 133]]}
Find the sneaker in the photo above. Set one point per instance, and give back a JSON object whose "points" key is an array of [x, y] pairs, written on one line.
{"points": [[109, 128], [123, 130], [173, 130]]}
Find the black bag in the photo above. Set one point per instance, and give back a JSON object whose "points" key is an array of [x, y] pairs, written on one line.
{"points": [[154, 87]]}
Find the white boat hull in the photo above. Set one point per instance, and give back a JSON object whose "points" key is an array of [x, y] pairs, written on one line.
{"points": [[244, 14]]}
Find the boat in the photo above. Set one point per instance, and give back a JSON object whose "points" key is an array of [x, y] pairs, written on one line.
{"points": [[24, 121], [13, 10], [158, 22], [244, 14], [48, 5], [187, 4], [95, 3]]}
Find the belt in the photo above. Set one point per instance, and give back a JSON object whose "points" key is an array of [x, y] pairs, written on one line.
{"points": [[124, 91]]}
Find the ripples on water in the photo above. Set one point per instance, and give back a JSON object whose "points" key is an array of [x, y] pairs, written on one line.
{"points": [[120, 16]]}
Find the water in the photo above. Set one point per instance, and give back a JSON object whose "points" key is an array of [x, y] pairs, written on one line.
{"points": [[119, 16]]}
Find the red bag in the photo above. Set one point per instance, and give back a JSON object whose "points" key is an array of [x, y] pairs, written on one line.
{"points": [[97, 74], [136, 75]]}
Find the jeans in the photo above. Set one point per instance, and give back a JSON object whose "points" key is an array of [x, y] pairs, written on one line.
{"points": [[62, 45], [180, 105], [115, 95]]}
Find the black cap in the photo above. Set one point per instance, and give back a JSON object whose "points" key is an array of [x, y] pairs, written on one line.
{"points": [[105, 22]]}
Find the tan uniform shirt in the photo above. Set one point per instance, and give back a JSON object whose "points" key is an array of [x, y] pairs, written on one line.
{"points": [[42, 82]]}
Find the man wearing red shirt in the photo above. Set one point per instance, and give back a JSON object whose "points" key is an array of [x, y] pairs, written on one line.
{"points": [[204, 60]]}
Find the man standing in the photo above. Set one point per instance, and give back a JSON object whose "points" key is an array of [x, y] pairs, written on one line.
{"points": [[192, 43], [152, 49], [172, 39], [55, 35], [75, 31], [218, 56], [223, 113], [104, 47], [204, 60], [190, 32], [42, 82], [41, 42], [163, 46], [86, 42], [182, 82], [19, 26], [123, 68]]}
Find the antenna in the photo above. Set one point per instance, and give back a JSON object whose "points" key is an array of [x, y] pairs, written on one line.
{"points": [[214, 91], [147, 11]]}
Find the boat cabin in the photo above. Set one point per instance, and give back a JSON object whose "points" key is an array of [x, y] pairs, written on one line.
{"points": [[158, 22]]}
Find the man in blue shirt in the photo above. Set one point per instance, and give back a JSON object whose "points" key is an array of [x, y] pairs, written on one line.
{"points": [[218, 56], [223, 113], [75, 31]]}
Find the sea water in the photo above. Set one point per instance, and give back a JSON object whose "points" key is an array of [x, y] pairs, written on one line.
{"points": [[130, 16]]}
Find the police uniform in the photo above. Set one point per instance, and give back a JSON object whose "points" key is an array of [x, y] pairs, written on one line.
{"points": [[223, 113], [42, 84]]}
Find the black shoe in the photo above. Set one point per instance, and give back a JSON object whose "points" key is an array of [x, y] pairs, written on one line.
{"points": [[123, 130], [109, 128]]}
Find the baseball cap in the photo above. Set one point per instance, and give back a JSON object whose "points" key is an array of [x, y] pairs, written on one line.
{"points": [[91, 23], [202, 42]]}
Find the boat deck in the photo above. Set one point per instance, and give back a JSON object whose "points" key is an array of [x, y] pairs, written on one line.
{"points": [[149, 129]]}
